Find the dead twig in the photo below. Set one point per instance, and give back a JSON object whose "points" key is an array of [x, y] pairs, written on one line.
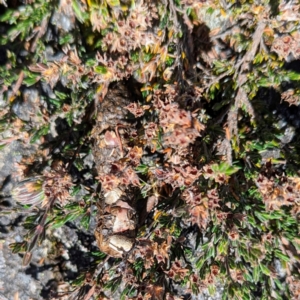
{"points": [[90, 292], [41, 31], [241, 77], [18, 83], [118, 136]]}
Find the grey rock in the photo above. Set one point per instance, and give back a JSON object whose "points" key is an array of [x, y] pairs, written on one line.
{"points": [[27, 108], [10, 156], [60, 256], [62, 21], [13, 279], [47, 90], [3, 102], [50, 55], [89, 161], [289, 134], [268, 154]]}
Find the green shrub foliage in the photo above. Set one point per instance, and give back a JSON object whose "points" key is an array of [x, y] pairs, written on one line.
{"points": [[211, 156]]}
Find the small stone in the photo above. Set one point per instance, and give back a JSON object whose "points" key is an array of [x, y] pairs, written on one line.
{"points": [[113, 196]]}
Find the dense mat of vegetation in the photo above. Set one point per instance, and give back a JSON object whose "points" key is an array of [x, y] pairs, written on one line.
{"points": [[212, 153]]}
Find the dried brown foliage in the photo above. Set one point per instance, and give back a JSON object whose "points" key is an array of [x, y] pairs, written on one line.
{"points": [[194, 181]]}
